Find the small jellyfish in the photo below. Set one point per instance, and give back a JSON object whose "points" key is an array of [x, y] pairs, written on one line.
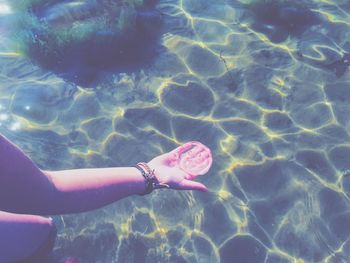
{"points": [[191, 162]]}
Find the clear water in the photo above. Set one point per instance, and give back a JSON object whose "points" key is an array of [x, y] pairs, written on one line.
{"points": [[266, 86]]}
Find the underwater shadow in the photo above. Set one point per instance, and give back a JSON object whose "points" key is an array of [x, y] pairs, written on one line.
{"points": [[339, 66], [86, 60], [280, 19]]}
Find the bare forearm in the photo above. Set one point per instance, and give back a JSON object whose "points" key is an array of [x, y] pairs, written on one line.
{"points": [[24, 188], [81, 190]]}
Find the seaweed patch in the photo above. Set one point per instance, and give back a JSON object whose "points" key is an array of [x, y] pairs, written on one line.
{"points": [[81, 41]]}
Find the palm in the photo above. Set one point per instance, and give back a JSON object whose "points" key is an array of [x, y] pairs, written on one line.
{"points": [[169, 171]]}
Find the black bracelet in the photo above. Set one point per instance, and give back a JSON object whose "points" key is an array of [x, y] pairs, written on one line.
{"points": [[151, 180], [149, 185]]}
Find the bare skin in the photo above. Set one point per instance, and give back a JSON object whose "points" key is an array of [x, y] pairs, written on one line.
{"points": [[27, 191]]}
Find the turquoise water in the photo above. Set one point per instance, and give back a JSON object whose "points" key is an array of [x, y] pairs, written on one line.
{"points": [[266, 86]]}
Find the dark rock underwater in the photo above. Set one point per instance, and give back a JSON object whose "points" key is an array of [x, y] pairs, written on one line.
{"points": [[82, 41]]}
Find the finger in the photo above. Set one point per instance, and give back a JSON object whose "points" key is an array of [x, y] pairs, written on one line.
{"points": [[206, 155], [179, 150], [190, 176], [200, 145], [183, 148], [195, 167], [193, 185], [195, 151]]}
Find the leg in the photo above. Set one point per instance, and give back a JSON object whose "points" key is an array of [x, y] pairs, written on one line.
{"points": [[25, 238], [24, 189]]}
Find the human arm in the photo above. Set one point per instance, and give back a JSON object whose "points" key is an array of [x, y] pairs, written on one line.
{"points": [[24, 188]]}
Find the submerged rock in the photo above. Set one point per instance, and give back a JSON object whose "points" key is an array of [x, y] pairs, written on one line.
{"points": [[82, 40]]}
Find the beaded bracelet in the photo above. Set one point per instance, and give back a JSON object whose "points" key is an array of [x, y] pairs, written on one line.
{"points": [[151, 180]]}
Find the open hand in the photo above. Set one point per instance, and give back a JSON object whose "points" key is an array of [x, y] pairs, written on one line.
{"points": [[180, 166]]}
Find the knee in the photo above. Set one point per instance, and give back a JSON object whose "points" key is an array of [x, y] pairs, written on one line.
{"points": [[47, 230], [52, 233], [44, 247], [48, 243], [25, 236], [49, 224]]}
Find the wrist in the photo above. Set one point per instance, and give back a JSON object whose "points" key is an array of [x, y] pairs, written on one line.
{"points": [[151, 181]]}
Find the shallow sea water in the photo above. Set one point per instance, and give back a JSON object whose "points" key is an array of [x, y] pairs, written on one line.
{"points": [[265, 86]]}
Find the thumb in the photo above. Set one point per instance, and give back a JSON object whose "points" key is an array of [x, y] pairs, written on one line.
{"points": [[192, 185]]}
